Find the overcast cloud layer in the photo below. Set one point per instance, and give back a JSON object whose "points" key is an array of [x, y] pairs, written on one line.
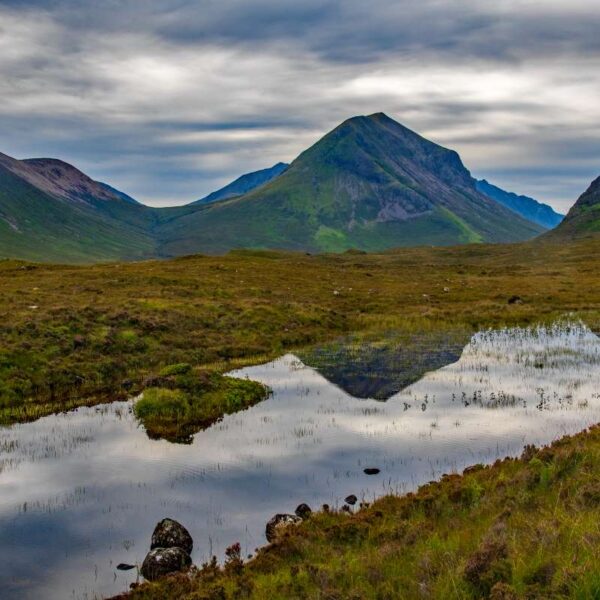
{"points": [[169, 100]]}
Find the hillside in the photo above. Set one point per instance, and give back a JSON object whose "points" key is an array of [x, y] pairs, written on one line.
{"points": [[50, 211], [528, 208], [371, 184], [584, 217], [244, 184]]}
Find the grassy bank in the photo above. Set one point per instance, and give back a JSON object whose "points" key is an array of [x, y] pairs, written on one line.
{"points": [[520, 529], [78, 335]]}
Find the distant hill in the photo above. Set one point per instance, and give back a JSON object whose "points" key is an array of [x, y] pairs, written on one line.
{"points": [[370, 183], [530, 209], [584, 217], [51, 211], [244, 184]]}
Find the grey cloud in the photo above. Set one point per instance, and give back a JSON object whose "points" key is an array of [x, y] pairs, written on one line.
{"points": [[125, 89]]}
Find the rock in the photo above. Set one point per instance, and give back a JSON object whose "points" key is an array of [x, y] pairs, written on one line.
{"points": [[303, 511], [515, 300], [162, 561], [371, 471], [78, 341], [279, 523], [125, 567], [171, 534], [127, 384], [351, 500]]}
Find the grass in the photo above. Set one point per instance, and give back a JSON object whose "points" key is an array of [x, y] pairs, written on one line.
{"points": [[72, 336], [196, 400], [520, 529]]}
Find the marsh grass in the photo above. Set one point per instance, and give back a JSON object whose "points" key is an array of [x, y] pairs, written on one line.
{"points": [[104, 331]]}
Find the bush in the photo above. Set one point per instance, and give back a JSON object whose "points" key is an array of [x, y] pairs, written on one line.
{"points": [[177, 369]]}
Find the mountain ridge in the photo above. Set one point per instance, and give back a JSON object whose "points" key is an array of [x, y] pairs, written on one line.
{"points": [[527, 207], [584, 217], [370, 183], [244, 183]]}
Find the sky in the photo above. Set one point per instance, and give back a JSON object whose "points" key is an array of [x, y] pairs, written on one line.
{"points": [[169, 100]]}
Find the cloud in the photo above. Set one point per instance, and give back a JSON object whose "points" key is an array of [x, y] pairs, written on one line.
{"points": [[169, 100]]}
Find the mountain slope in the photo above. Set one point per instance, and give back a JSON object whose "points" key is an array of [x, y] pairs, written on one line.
{"points": [[244, 184], [584, 217], [50, 211], [370, 183], [528, 208]]}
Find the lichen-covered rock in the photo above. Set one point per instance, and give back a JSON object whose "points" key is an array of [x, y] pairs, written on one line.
{"points": [[303, 511], [278, 523], [171, 534], [162, 561]]}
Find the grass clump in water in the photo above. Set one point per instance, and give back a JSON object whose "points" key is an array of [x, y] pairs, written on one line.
{"points": [[194, 401]]}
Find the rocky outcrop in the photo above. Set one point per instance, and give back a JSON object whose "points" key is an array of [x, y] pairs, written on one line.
{"points": [[278, 523], [162, 561], [303, 511], [170, 550], [171, 534]]}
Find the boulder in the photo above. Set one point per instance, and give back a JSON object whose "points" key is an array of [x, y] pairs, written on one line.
{"points": [[171, 534], [278, 523], [303, 511], [162, 561]]}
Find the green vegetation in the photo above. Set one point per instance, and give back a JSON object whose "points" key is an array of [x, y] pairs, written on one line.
{"points": [[195, 401], [71, 336], [584, 217], [520, 529]]}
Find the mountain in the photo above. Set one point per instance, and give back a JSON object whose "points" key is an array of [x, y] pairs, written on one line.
{"points": [[528, 208], [370, 183], [118, 193], [51, 211], [584, 217], [244, 184]]}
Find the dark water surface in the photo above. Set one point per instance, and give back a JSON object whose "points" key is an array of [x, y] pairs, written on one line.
{"points": [[81, 492]]}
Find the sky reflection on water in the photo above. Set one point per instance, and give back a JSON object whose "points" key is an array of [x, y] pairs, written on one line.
{"points": [[81, 492]]}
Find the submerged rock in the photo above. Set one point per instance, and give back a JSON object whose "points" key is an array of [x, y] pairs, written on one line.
{"points": [[303, 511], [371, 471], [278, 523], [125, 567], [171, 534], [351, 500], [162, 561]]}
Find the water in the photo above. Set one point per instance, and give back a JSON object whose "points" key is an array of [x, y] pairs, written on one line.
{"points": [[81, 492]]}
